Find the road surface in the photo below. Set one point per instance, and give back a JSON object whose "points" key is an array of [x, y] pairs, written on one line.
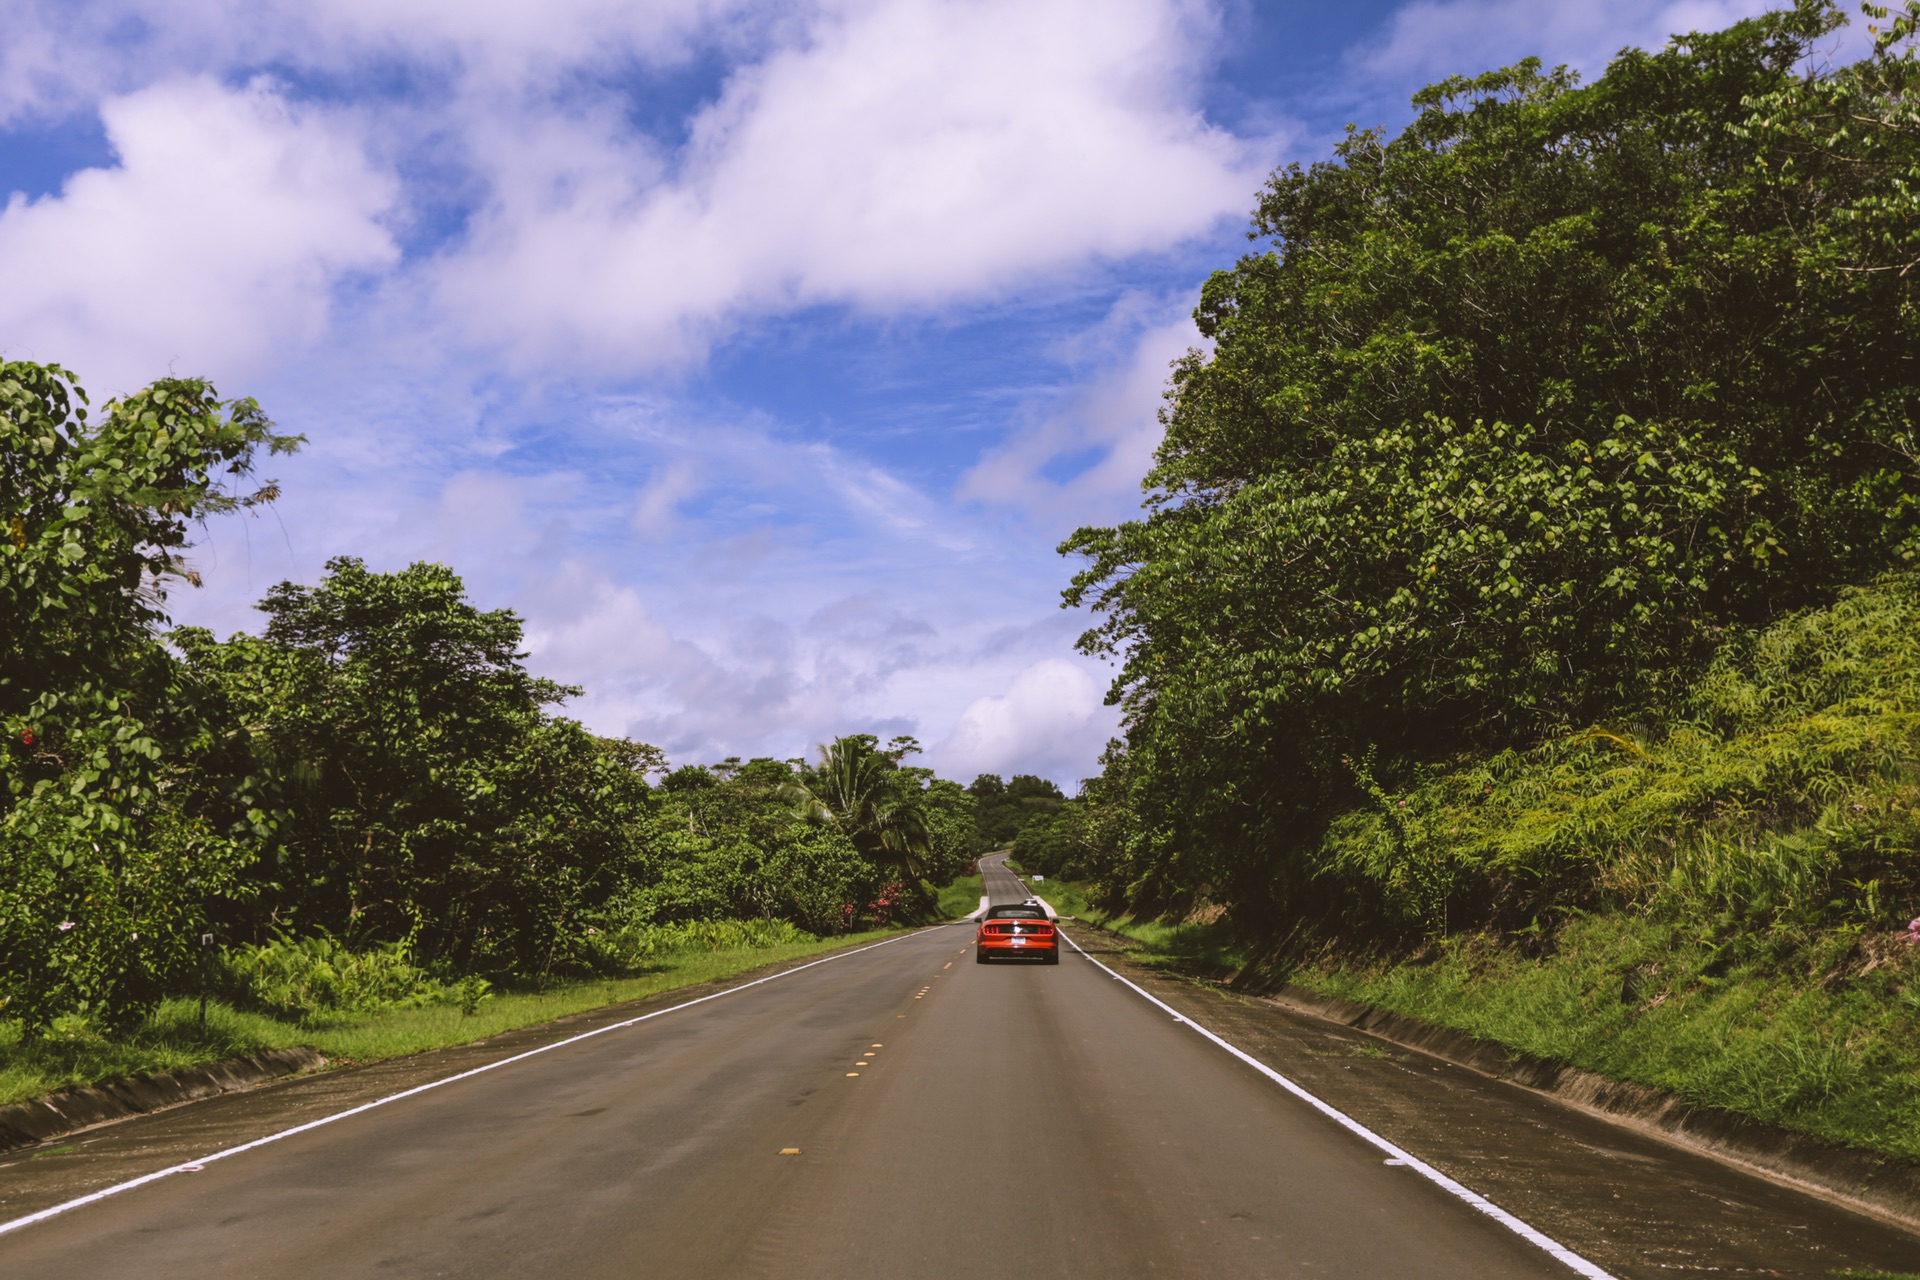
{"points": [[900, 1111]]}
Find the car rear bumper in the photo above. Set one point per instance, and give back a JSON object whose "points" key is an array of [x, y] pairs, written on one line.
{"points": [[997, 948]]}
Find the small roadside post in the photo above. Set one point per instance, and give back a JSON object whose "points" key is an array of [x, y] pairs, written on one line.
{"points": [[206, 964]]}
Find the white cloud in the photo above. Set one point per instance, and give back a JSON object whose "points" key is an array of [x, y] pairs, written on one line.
{"points": [[1050, 720], [905, 153], [60, 55], [215, 241], [883, 155], [1109, 423]]}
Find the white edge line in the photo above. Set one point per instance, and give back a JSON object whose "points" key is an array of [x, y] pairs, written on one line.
{"points": [[1427, 1171], [194, 1164]]}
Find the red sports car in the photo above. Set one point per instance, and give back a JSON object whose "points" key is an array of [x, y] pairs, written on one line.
{"points": [[1016, 931]]}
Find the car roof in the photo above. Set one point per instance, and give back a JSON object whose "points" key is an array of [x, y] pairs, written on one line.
{"points": [[1017, 911]]}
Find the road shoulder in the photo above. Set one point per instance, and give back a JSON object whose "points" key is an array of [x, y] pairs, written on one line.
{"points": [[1633, 1203]]}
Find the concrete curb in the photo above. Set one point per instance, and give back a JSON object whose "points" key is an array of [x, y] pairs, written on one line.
{"points": [[1881, 1186], [22, 1124]]}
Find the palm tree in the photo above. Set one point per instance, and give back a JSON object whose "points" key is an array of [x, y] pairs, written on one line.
{"points": [[855, 789]]}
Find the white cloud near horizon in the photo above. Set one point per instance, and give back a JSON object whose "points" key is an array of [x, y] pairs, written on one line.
{"points": [[1050, 719]]}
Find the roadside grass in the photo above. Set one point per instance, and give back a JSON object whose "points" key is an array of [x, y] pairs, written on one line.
{"points": [[1828, 1046], [169, 1039], [1826, 1042], [1181, 945], [960, 898]]}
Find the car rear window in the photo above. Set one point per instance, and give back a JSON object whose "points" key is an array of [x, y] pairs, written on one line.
{"points": [[1016, 913]]}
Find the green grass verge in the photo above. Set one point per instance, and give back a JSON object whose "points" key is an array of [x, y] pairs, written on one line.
{"points": [[169, 1040], [961, 897], [1829, 1046], [1198, 947]]}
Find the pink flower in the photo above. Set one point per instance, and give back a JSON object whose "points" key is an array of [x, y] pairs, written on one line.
{"points": [[65, 925]]}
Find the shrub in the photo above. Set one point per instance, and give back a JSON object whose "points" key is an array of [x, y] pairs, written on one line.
{"points": [[637, 945], [309, 977]]}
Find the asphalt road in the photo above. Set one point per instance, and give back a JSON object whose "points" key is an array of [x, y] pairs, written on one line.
{"points": [[1001, 884], [901, 1111]]}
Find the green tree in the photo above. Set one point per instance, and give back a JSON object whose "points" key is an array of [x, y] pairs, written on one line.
{"points": [[1523, 412], [427, 794], [858, 789], [1004, 809], [952, 833], [109, 843]]}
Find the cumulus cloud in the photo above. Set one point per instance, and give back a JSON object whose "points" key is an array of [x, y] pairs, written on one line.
{"points": [[1049, 720], [216, 239], [884, 155], [903, 153]]}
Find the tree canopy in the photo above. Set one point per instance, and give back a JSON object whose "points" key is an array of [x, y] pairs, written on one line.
{"points": [[1520, 414]]}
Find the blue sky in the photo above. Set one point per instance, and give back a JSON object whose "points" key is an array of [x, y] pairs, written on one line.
{"points": [[759, 355]]}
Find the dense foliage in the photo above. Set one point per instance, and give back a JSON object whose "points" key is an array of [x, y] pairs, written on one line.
{"points": [[1527, 413], [102, 874], [371, 801], [1004, 809]]}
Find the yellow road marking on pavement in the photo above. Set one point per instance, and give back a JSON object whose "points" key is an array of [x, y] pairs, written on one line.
{"points": [[852, 1074], [789, 1151], [868, 1054], [881, 1046]]}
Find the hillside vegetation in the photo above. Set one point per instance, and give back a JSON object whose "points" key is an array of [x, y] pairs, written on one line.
{"points": [[1521, 630]]}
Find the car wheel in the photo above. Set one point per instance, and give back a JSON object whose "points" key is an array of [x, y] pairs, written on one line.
{"points": [[1053, 956], [979, 955]]}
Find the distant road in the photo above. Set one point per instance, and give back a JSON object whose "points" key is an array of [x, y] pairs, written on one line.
{"points": [[944, 1119], [1001, 885]]}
